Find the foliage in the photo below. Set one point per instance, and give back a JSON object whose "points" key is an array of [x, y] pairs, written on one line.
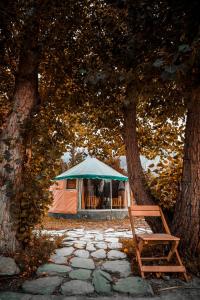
{"points": [[114, 162], [76, 156], [43, 150], [164, 181], [128, 247], [95, 57], [50, 128], [37, 252]]}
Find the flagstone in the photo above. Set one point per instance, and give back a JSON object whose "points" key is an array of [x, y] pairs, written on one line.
{"points": [[85, 239], [82, 253], [66, 251], [135, 286], [49, 297], [99, 237], [91, 236], [58, 259], [75, 235], [93, 231], [115, 254], [109, 230], [77, 230], [69, 239], [82, 263], [121, 267], [67, 243], [114, 245], [102, 282], [120, 234], [80, 245], [113, 234], [112, 240], [101, 245], [14, 296], [99, 254], [44, 285], [8, 266], [90, 247], [77, 287], [53, 269], [80, 274], [110, 234]]}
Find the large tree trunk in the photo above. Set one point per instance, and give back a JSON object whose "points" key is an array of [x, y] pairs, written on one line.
{"points": [[137, 179], [186, 222], [13, 147]]}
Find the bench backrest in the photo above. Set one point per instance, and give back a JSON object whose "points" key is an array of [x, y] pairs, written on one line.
{"points": [[147, 211]]}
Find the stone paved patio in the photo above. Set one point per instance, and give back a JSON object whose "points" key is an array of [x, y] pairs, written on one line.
{"points": [[90, 263]]}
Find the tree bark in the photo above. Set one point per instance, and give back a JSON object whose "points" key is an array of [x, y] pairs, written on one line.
{"points": [[136, 176], [186, 221], [12, 141]]}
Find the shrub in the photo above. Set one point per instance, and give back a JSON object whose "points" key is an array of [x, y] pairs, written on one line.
{"points": [[37, 252]]}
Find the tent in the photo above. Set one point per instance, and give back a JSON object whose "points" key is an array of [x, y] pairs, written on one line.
{"points": [[92, 168], [90, 186]]}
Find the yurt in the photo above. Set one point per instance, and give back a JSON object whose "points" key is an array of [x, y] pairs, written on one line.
{"points": [[90, 190]]}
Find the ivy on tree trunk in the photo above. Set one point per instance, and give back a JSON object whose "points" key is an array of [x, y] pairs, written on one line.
{"points": [[13, 146]]}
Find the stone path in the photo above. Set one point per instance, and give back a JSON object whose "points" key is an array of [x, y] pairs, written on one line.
{"points": [[90, 263]]}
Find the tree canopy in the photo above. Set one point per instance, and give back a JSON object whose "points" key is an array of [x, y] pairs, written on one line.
{"points": [[113, 76]]}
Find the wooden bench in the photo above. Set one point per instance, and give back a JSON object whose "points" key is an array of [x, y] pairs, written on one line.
{"points": [[155, 238]]}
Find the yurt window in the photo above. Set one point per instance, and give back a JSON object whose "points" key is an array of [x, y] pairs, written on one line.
{"points": [[71, 184]]}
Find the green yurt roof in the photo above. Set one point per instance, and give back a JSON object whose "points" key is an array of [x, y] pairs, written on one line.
{"points": [[92, 168]]}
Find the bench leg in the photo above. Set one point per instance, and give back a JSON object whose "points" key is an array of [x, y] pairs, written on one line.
{"points": [[181, 264], [172, 250], [138, 255]]}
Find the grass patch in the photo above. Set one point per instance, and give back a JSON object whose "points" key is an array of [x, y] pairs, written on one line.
{"points": [[55, 223]]}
